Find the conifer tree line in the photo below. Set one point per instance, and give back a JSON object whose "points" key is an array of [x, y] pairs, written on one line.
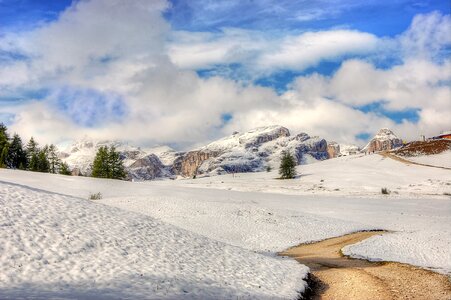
{"points": [[15, 155]]}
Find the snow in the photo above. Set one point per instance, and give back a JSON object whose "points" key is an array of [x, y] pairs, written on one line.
{"points": [[431, 249], [241, 219], [238, 140], [56, 246], [346, 150], [357, 175], [440, 160]]}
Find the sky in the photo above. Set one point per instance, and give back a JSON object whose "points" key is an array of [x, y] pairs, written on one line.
{"points": [[185, 73]]}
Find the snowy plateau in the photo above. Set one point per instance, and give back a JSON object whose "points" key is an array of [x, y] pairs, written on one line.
{"points": [[213, 237]]}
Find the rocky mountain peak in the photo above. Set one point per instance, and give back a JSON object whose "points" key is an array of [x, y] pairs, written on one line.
{"points": [[384, 140]]}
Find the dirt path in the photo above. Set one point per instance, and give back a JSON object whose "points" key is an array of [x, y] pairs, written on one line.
{"points": [[337, 277], [395, 157]]}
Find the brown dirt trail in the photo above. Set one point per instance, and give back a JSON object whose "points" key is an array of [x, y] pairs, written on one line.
{"points": [[338, 277]]}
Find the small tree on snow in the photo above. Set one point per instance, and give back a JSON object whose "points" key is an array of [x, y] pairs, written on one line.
{"points": [[287, 169]]}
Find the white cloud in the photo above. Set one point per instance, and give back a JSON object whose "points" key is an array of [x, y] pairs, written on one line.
{"points": [[427, 35], [121, 48], [262, 53], [308, 49]]}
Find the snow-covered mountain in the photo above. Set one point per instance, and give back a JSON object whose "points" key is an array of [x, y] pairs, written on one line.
{"points": [[251, 151], [140, 163], [385, 139]]}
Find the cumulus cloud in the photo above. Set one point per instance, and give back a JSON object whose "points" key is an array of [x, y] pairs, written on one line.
{"points": [[115, 70]]}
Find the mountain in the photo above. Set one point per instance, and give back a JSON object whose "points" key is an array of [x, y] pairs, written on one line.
{"points": [[385, 139], [251, 151], [140, 163]]}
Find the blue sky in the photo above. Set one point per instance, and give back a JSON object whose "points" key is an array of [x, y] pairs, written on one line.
{"points": [[288, 48]]}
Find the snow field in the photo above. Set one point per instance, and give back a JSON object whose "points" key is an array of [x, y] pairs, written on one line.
{"points": [[55, 246], [251, 215]]}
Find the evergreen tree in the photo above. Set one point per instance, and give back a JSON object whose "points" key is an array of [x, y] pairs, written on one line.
{"points": [[100, 166], [64, 169], [31, 149], [43, 164], [53, 159], [116, 169], [33, 164], [4, 145], [17, 158], [108, 164], [287, 169], [4, 156]]}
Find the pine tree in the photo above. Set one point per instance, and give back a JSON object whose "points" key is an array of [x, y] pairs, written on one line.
{"points": [[4, 156], [33, 164], [4, 145], [43, 162], [17, 158], [100, 166], [108, 164], [287, 169], [117, 170], [32, 148], [64, 169], [53, 159]]}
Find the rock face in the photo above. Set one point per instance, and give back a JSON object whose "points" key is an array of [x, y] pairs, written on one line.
{"points": [[191, 161], [384, 140], [146, 168], [333, 149]]}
